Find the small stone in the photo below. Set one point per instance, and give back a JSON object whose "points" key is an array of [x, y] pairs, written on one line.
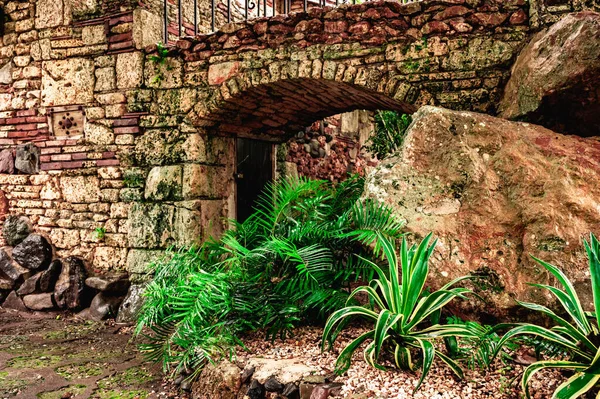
{"points": [[104, 306], [30, 285], [70, 287], [14, 302], [291, 391], [49, 276], [131, 304], [247, 374], [11, 269], [28, 159], [116, 284], [6, 284], [33, 253], [186, 385], [256, 390], [272, 385], [39, 301], [15, 229], [7, 162]]}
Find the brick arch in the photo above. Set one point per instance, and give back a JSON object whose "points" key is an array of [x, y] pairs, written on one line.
{"points": [[273, 109]]}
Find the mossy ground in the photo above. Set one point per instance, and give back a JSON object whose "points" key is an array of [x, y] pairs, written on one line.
{"points": [[47, 358]]}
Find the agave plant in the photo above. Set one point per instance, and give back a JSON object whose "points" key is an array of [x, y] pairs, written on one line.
{"points": [[400, 311], [580, 336]]}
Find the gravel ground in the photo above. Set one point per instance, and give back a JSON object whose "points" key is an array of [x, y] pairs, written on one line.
{"points": [[362, 381]]}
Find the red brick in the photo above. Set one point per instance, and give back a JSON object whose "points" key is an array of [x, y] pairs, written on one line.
{"points": [[52, 150], [29, 112], [37, 119], [127, 130], [29, 126], [60, 157], [14, 121], [108, 154], [108, 162], [125, 122], [123, 37], [17, 135], [72, 164], [51, 166], [79, 156], [120, 45], [45, 158]]}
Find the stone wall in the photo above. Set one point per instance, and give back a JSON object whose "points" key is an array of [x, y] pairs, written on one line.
{"points": [[138, 144]]}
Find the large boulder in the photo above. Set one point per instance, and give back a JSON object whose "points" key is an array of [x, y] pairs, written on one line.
{"points": [[132, 304], [556, 78], [33, 253], [104, 306], [11, 269], [70, 289], [495, 192]]}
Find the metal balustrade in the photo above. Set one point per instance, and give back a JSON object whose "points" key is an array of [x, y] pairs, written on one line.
{"points": [[220, 12]]}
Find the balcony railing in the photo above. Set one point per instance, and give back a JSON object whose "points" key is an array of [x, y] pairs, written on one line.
{"points": [[193, 17]]}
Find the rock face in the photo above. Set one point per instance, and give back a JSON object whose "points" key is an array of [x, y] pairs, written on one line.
{"points": [[218, 381], [7, 162], [495, 192], [131, 304], [49, 276], [28, 159], [10, 269], [39, 301], [33, 253], [15, 229], [116, 284], [556, 79], [70, 287], [104, 306]]}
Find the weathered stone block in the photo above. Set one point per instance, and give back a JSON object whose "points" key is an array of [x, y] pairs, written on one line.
{"points": [[6, 74], [147, 28], [205, 181], [130, 70], [165, 75], [98, 134], [106, 79], [94, 34], [66, 82], [80, 189], [49, 14], [27, 159], [164, 183], [110, 258]]}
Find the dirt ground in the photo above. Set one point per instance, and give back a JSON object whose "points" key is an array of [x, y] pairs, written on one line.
{"points": [[58, 357]]}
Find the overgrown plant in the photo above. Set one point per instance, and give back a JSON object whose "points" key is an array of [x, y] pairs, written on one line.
{"points": [[400, 311], [390, 130], [580, 336], [290, 261]]}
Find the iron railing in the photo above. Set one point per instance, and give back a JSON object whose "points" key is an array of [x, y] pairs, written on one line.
{"points": [[226, 11]]}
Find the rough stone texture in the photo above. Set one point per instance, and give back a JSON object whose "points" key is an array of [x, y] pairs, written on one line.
{"points": [[80, 189], [556, 78], [117, 284], [104, 306], [15, 229], [7, 162], [218, 381], [49, 276], [164, 183], [495, 192], [27, 159], [30, 285], [131, 304], [147, 28], [33, 253], [39, 301], [11, 269], [284, 370], [13, 301], [57, 82], [69, 292]]}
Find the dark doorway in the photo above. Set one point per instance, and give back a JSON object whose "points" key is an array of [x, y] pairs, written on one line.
{"points": [[254, 170]]}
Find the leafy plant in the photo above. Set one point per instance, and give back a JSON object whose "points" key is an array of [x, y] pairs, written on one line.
{"points": [[580, 336], [160, 60], [289, 262], [390, 129], [100, 233], [400, 310]]}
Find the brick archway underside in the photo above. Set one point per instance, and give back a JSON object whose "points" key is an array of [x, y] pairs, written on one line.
{"points": [[271, 111]]}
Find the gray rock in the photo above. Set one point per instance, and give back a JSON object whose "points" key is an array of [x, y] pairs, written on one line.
{"points": [[28, 159], [6, 74], [291, 391], [15, 229], [39, 301], [247, 374], [69, 292], [131, 304], [11, 269], [116, 284], [49, 276], [7, 162], [256, 390], [14, 302], [272, 385], [30, 285], [33, 253], [104, 306]]}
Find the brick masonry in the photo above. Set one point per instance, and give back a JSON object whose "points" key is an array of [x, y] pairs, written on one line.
{"points": [[148, 153]]}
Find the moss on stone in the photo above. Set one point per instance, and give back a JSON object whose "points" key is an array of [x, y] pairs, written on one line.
{"points": [[34, 361], [119, 394], [74, 390], [131, 377], [552, 244], [81, 371]]}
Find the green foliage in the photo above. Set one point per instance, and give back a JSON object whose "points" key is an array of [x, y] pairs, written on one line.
{"points": [[580, 336], [390, 129], [289, 262], [399, 309], [160, 59], [100, 233]]}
